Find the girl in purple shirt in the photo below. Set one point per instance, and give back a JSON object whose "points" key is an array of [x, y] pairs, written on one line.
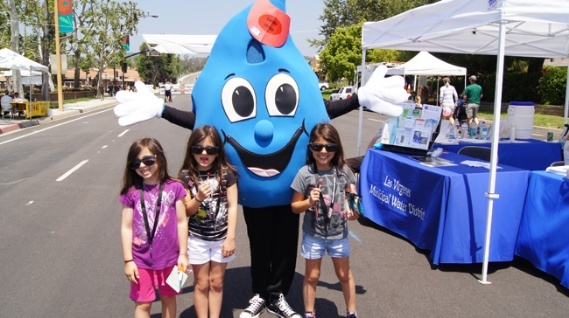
{"points": [[154, 229]]}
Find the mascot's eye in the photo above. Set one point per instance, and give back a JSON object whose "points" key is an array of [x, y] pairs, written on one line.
{"points": [[238, 99], [282, 95]]}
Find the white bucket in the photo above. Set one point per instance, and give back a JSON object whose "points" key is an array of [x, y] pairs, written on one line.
{"points": [[521, 114]]}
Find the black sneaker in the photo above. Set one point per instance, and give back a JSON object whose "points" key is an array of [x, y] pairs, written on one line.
{"points": [[280, 308], [352, 314], [256, 307]]}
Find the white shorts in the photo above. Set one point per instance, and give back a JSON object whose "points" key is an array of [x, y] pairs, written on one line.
{"points": [[201, 251]]}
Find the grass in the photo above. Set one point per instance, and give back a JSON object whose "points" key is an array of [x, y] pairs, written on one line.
{"points": [[540, 120], [55, 104]]}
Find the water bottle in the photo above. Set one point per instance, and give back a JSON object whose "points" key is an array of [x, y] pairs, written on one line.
{"points": [[452, 132], [464, 130], [483, 131], [512, 132], [473, 129]]}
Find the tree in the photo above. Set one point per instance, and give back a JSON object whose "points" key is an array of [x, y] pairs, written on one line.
{"points": [[157, 69], [109, 21], [341, 56]]}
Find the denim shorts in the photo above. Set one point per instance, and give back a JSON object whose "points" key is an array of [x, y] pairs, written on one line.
{"points": [[315, 248]]}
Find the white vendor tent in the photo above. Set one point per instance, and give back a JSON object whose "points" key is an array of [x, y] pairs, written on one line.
{"points": [[425, 64], [180, 44], [34, 79], [493, 27], [14, 61]]}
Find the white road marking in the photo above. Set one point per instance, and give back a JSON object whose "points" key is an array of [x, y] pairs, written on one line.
{"points": [[123, 133], [68, 173], [51, 127]]}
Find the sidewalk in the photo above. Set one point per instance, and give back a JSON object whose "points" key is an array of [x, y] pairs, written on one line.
{"points": [[8, 125]]}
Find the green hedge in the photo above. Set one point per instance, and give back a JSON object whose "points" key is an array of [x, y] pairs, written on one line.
{"points": [[547, 88]]}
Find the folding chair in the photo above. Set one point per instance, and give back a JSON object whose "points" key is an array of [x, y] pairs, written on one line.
{"points": [[483, 153]]}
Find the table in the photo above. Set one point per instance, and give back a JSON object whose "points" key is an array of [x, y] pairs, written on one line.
{"points": [[18, 106], [33, 109], [543, 238], [527, 154], [443, 209]]}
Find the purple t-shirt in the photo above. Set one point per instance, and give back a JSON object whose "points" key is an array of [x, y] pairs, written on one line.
{"points": [[165, 245]]}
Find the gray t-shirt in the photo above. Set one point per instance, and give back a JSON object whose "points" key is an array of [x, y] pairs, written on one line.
{"points": [[330, 219]]}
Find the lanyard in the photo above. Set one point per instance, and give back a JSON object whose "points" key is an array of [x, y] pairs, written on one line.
{"points": [[156, 218], [328, 210]]}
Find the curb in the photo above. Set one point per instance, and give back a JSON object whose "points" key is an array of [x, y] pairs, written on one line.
{"points": [[26, 124]]}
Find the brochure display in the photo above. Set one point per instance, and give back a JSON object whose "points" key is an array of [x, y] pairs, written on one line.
{"points": [[414, 131]]}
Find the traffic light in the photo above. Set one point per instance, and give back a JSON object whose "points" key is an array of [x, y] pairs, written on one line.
{"points": [[124, 67]]}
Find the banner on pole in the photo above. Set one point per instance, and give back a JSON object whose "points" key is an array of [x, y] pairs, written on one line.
{"points": [[65, 16], [126, 42]]}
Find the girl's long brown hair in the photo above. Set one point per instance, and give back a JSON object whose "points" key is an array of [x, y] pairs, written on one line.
{"points": [[219, 164], [130, 177]]}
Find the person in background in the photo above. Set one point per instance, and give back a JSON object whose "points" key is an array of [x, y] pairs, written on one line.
{"points": [[320, 189], [213, 216], [472, 95], [418, 102], [168, 91], [154, 230], [5, 102], [448, 99]]}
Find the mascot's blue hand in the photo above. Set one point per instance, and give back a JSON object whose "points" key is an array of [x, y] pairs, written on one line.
{"points": [[139, 106], [383, 94]]}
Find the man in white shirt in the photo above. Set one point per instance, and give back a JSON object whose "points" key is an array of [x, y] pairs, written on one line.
{"points": [[168, 91], [5, 102]]}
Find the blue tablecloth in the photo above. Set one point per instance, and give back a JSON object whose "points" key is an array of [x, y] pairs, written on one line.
{"points": [[527, 154], [443, 209], [543, 238]]}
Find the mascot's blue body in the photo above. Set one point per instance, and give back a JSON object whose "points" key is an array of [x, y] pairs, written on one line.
{"points": [[264, 100]]}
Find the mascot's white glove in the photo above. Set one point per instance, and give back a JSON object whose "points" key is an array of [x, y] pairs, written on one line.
{"points": [[383, 94], [138, 107]]}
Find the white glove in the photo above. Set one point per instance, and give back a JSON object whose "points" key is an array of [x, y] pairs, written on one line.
{"points": [[138, 107], [383, 94]]}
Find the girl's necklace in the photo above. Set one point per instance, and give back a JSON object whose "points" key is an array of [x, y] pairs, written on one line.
{"points": [[156, 217]]}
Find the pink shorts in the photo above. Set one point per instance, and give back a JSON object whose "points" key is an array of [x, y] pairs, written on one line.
{"points": [[144, 291]]}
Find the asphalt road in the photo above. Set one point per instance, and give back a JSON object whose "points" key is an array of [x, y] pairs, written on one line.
{"points": [[60, 250]]}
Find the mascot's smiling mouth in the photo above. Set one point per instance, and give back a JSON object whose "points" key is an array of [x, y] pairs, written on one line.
{"points": [[268, 165]]}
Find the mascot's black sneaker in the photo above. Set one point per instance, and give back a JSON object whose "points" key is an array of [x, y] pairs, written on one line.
{"points": [[280, 308], [255, 309]]}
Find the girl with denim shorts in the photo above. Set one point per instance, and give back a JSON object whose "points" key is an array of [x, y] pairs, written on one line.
{"points": [[320, 190]]}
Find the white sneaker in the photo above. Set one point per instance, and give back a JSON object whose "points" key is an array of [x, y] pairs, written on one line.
{"points": [[256, 307], [282, 309]]}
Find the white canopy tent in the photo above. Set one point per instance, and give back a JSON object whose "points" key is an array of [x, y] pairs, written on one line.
{"points": [[493, 27], [180, 44], [425, 64], [13, 61]]}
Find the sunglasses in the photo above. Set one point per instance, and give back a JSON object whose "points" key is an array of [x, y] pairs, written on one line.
{"points": [[318, 147], [210, 150], [147, 161]]}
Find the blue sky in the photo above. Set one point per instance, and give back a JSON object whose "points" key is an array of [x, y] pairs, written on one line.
{"points": [[209, 17]]}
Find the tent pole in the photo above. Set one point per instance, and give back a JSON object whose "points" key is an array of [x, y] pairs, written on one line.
{"points": [[565, 111], [361, 110], [494, 152]]}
